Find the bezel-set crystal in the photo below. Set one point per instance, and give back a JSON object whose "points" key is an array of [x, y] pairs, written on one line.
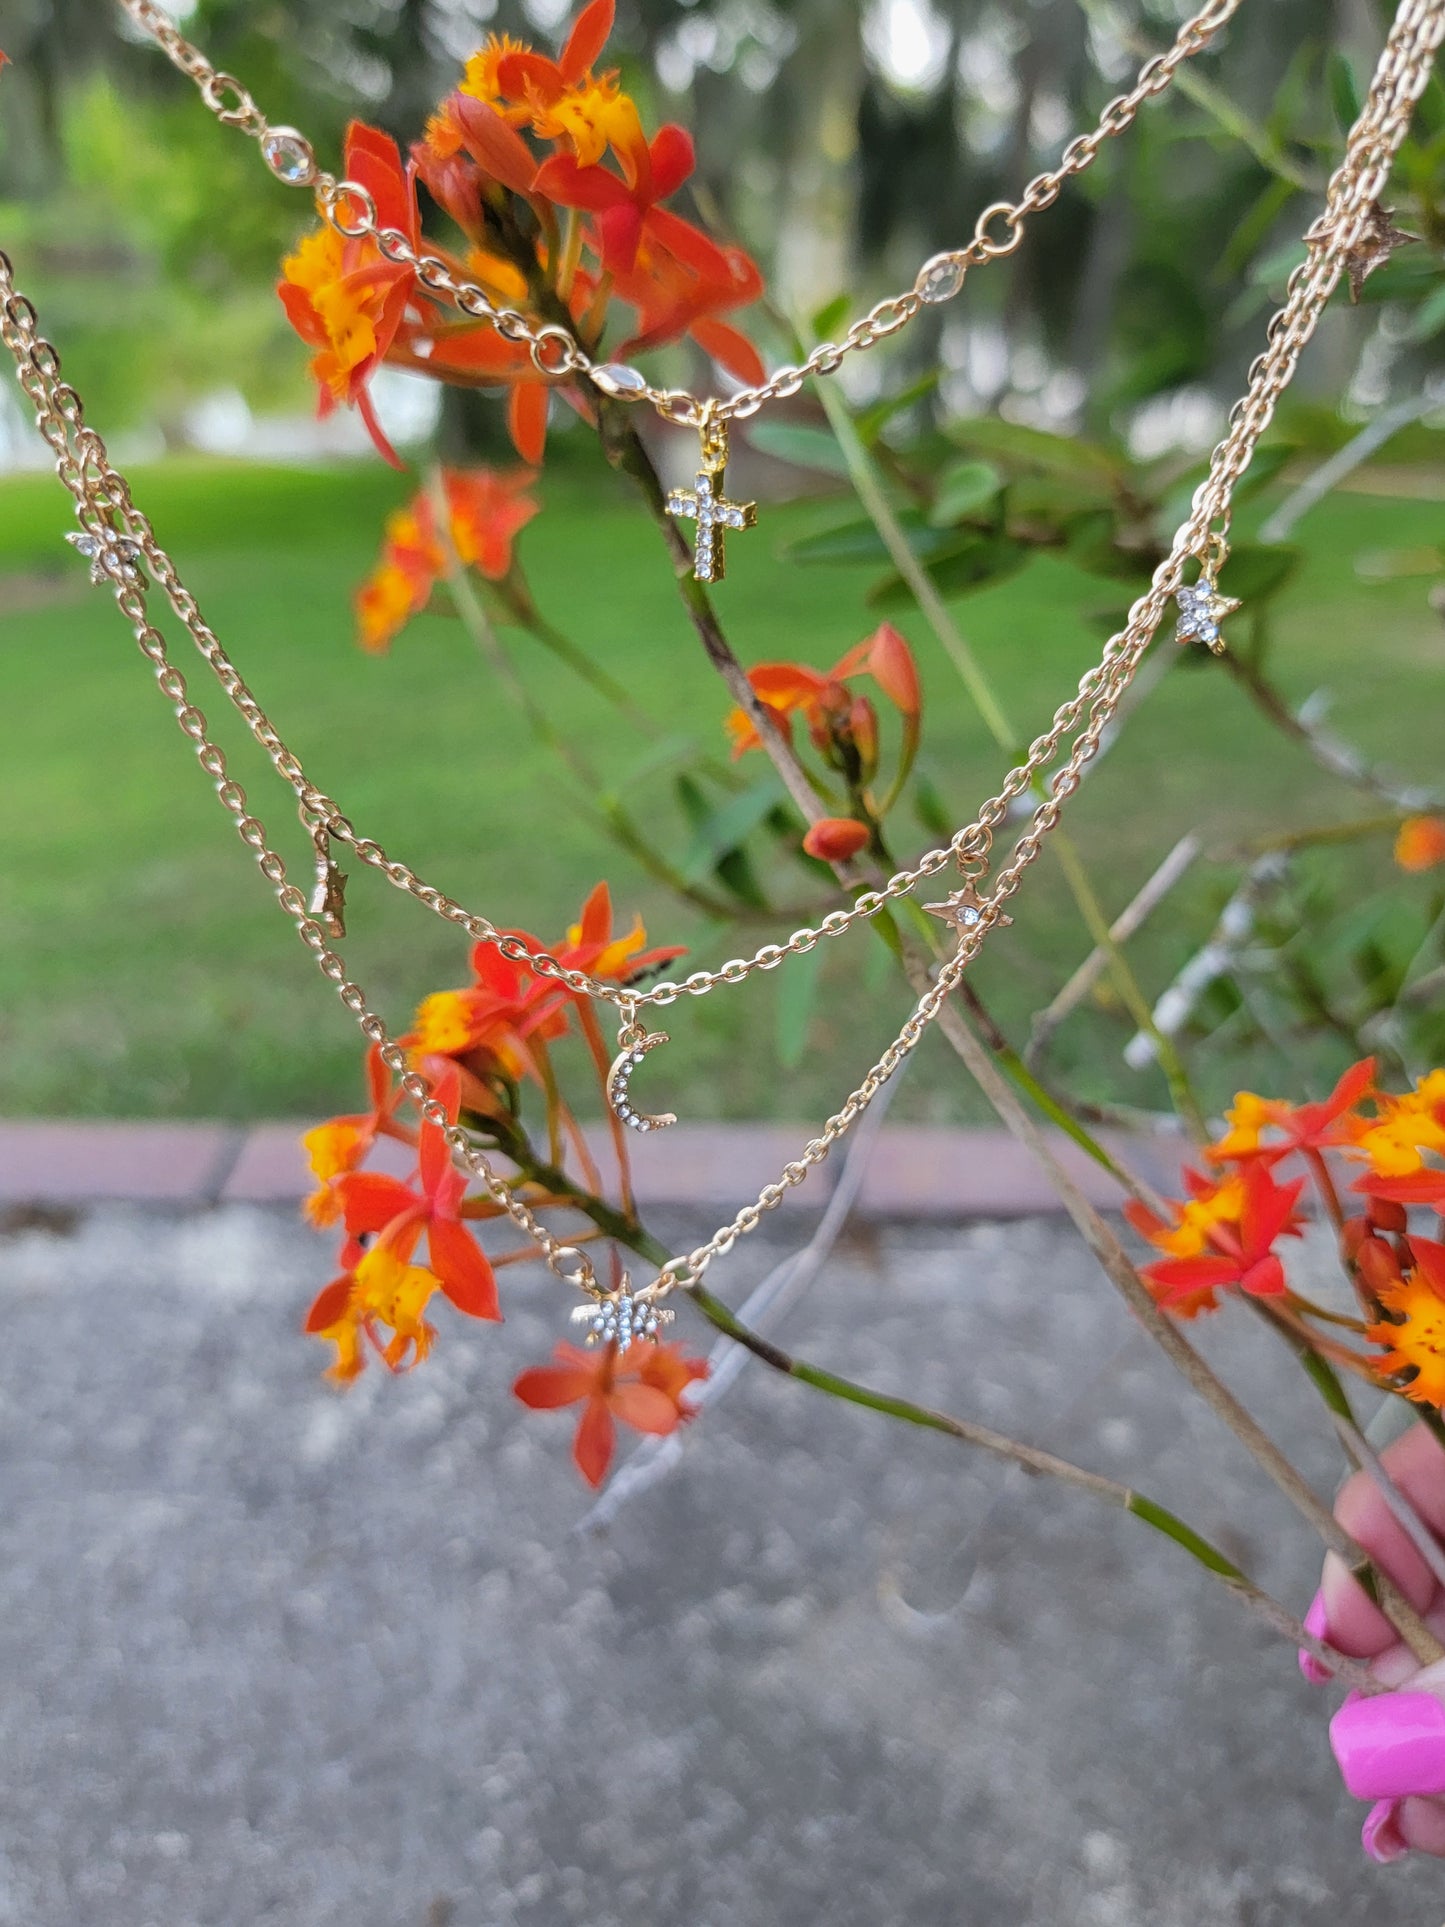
{"points": [[289, 156]]}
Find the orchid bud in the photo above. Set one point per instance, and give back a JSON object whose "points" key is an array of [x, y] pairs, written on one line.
{"points": [[834, 839]]}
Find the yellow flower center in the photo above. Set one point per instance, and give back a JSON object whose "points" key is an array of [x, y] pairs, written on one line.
{"points": [[444, 1026], [1418, 1342]]}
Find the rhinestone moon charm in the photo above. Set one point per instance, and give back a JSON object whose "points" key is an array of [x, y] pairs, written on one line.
{"points": [[619, 1080]]}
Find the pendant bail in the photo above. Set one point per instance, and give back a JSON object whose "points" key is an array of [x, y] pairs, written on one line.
{"points": [[712, 431]]}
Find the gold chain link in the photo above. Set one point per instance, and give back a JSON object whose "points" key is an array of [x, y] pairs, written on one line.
{"points": [[103, 500], [555, 351]]}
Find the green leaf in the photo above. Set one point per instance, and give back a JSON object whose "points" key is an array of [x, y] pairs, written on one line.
{"points": [[857, 540], [930, 808], [963, 489], [1429, 318], [1036, 448], [796, 1005], [831, 315], [1256, 571], [1344, 90], [735, 872], [984, 560], [658, 756], [1264, 465], [1091, 545], [726, 826], [872, 422], [799, 445]]}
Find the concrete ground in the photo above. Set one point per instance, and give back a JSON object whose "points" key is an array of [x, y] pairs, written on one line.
{"points": [[273, 1654]]}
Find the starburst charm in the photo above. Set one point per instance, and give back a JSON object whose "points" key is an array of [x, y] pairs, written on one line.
{"points": [[964, 910], [112, 557], [1201, 610], [1379, 238], [621, 1318]]}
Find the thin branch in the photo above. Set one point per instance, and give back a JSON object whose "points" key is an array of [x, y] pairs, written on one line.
{"points": [[1366, 1459], [1176, 1004], [1130, 920], [1317, 485], [1305, 726]]}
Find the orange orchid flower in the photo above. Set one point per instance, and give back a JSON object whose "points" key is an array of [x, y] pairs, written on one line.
{"points": [[380, 1289], [397, 1215], [1407, 1127], [521, 83], [825, 702], [592, 946], [648, 1393], [627, 206], [495, 1024], [680, 285], [341, 1144], [1268, 1129], [343, 297], [486, 512], [1239, 1252]]}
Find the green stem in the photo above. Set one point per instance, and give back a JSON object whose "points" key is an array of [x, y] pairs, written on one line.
{"points": [[871, 494], [1033, 1460], [517, 598]]}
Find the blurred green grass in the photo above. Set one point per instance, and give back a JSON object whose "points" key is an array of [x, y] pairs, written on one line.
{"points": [[143, 971]]}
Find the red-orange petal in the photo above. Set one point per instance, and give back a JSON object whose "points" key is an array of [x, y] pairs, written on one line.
{"points": [[596, 1437], [330, 1305]]}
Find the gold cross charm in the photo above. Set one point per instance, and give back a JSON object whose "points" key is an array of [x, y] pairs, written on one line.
{"points": [[706, 504]]}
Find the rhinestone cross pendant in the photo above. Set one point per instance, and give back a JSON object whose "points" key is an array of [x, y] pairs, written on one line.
{"points": [[706, 504]]}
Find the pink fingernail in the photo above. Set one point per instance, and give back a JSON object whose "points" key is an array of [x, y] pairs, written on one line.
{"points": [[1382, 1839], [1392, 1746], [1316, 1622]]}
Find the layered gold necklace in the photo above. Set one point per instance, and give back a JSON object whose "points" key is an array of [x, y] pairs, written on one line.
{"points": [[118, 541]]}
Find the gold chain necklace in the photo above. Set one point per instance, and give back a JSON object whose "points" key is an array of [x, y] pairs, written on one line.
{"points": [[117, 537], [555, 350], [290, 156]]}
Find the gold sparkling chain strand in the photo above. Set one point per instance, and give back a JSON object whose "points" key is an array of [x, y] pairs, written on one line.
{"points": [[347, 205], [1401, 77], [83, 466]]}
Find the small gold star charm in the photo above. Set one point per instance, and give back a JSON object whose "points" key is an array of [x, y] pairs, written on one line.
{"points": [[1201, 610], [1379, 238], [964, 910]]}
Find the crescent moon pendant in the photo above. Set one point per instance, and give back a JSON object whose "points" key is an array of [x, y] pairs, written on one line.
{"points": [[619, 1080]]}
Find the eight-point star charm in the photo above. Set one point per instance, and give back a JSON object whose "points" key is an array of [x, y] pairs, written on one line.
{"points": [[964, 910], [619, 1318], [1379, 237], [112, 557], [1201, 610]]}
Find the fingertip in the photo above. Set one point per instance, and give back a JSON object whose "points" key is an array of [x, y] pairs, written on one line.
{"points": [[1357, 1626], [1420, 1827]]}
